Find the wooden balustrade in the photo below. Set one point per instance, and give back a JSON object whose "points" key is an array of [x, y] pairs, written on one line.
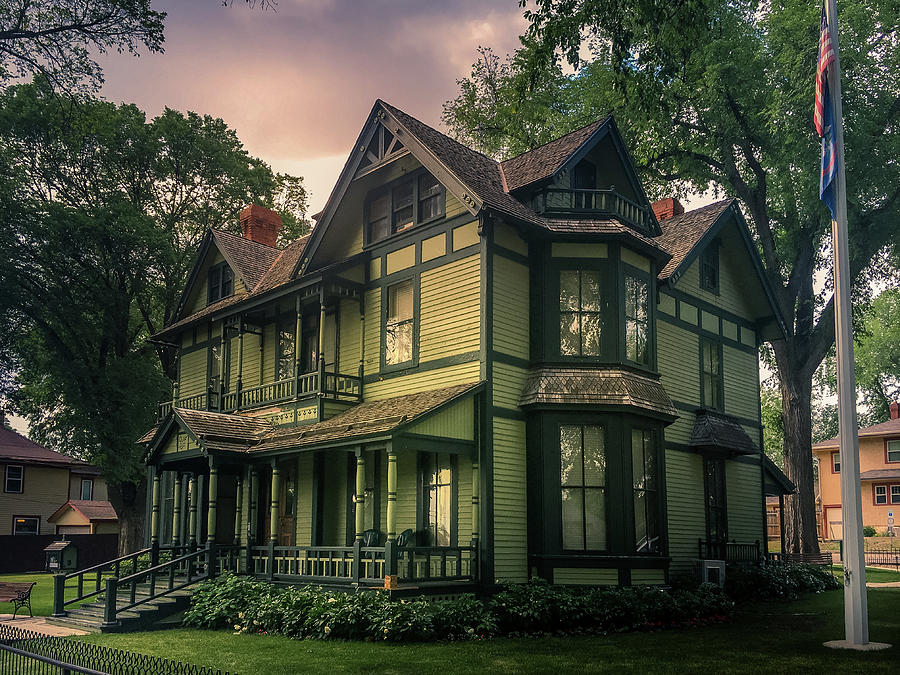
{"points": [[578, 201]]}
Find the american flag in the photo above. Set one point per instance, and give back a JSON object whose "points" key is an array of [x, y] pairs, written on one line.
{"points": [[824, 116]]}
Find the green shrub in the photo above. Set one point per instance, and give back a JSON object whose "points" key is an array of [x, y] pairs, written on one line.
{"points": [[777, 581], [869, 531], [219, 602]]}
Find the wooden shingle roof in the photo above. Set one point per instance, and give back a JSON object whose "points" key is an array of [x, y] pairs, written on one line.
{"points": [[681, 234], [251, 258], [715, 431]]}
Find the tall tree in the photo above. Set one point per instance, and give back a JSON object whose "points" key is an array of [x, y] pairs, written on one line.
{"points": [[716, 95], [60, 39], [103, 211]]}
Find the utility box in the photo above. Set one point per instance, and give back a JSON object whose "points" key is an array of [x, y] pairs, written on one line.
{"points": [[61, 556]]}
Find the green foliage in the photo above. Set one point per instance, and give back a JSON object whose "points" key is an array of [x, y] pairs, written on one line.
{"points": [[773, 425], [869, 531], [60, 39], [770, 582], [251, 606]]}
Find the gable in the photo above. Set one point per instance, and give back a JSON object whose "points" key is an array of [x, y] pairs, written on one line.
{"points": [[197, 290]]}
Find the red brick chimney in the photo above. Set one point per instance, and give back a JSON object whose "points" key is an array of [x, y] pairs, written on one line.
{"points": [[667, 208], [895, 410], [260, 224]]}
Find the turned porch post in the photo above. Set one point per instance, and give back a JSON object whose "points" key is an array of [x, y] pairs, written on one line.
{"points": [[322, 339], [252, 496], [154, 519], [221, 405], [273, 516], [238, 508], [176, 511], [240, 370], [192, 517], [476, 501], [213, 492], [390, 550], [360, 498]]}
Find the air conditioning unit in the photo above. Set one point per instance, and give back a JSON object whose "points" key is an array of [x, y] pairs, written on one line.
{"points": [[712, 571]]}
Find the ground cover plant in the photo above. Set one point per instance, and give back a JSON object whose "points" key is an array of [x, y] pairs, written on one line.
{"points": [[249, 606], [770, 582], [762, 638]]}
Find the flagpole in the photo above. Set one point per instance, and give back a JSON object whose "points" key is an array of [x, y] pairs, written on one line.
{"points": [[856, 615]]}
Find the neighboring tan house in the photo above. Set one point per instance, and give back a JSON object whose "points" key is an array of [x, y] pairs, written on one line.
{"points": [[879, 474], [471, 371], [39, 485]]}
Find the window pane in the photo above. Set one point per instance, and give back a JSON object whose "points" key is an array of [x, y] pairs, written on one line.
{"points": [[429, 208], [638, 469], [570, 471], [595, 519], [403, 195], [590, 334], [400, 301], [428, 186], [893, 451], [594, 457], [398, 342], [640, 520], [403, 218], [569, 334], [572, 519], [895, 494], [568, 291], [590, 291], [25, 525], [227, 281], [87, 490]]}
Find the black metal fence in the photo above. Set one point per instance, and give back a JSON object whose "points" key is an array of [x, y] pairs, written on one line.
{"points": [[27, 653]]}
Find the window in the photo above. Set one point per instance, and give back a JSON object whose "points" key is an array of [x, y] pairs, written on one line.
{"points": [[221, 283], [716, 510], [309, 351], [87, 489], [582, 479], [881, 494], [637, 293], [646, 491], [406, 203], [284, 353], [437, 484], [399, 324], [26, 525], [579, 313], [835, 462], [892, 450], [895, 494], [584, 177], [214, 364], [709, 268], [711, 374], [15, 478]]}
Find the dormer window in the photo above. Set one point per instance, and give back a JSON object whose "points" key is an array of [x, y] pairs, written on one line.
{"points": [[221, 283], [405, 203], [709, 268]]}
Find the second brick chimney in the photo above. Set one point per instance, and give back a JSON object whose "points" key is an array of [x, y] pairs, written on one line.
{"points": [[895, 410], [667, 208], [260, 224]]}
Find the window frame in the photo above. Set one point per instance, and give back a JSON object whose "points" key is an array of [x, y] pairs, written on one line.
{"points": [[601, 313], [21, 479], [720, 379], [424, 524], [386, 367], [835, 461], [709, 258], [631, 271], [388, 189], [90, 482], [888, 451], [891, 494], [604, 489], [37, 530], [649, 437], [217, 271], [723, 507], [875, 495]]}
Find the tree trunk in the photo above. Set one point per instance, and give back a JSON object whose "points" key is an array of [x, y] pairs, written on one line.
{"points": [[129, 500], [801, 533]]}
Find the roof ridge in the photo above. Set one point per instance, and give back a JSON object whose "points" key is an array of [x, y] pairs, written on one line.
{"points": [[599, 122]]}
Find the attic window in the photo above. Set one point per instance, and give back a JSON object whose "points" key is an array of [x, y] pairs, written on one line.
{"points": [[221, 283], [709, 268], [405, 203]]}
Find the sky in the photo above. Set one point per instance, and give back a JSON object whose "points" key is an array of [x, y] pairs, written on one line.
{"points": [[297, 83]]}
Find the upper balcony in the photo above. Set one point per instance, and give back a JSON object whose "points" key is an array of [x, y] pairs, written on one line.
{"points": [[553, 201], [334, 386]]}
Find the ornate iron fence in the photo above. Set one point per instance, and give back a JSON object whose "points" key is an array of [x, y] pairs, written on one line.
{"points": [[27, 653]]}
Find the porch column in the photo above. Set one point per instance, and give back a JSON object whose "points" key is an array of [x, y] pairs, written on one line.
{"points": [[360, 498], [362, 341], [476, 501], [322, 338], [154, 511], [192, 518], [213, 492], [273, 505], [298, 327], [251, 507], [238, 508], [176, 511], [222, 366], [240, 370], [176, 383], [391, 495], [185, 495]]}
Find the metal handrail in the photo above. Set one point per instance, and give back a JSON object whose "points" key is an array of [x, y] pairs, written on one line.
{"points": [[110, 567]]}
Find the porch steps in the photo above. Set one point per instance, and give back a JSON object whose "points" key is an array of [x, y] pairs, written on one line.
{"points": [[90, 616]]}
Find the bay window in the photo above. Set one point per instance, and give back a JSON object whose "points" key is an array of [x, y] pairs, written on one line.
{"points": [[637, 322], [645, 492], [582, 477], [580, 306]]}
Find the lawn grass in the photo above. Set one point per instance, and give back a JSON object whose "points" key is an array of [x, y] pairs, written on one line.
{"points": [[875, 575], [764, 638], [41, 595]]}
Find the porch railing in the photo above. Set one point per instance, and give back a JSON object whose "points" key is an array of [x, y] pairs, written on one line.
{"points": [[342, 386], [591, 202], [730, 551], [75, 588], [445, 563]]}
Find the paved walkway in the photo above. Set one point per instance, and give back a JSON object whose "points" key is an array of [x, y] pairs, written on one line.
{"points": [[38, 624]]}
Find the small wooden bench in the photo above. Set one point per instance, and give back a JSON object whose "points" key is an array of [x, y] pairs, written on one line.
{"points": [[18, 593]]}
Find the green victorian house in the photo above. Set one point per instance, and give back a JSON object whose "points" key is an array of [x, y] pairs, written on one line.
{"points": [[470, 372]]}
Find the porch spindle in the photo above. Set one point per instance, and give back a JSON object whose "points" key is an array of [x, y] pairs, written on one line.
{"points": [[176, 511], [238, 508], [213, 489], [360, 494], [192, 518], [154, 513]]}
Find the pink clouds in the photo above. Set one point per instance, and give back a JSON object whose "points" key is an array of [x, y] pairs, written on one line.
{"points": [[296, 84]]}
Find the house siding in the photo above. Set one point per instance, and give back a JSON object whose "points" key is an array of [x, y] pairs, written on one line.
{"points": [[510, 523]]}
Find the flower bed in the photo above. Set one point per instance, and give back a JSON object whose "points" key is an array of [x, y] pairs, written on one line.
{"points": [[247, 605]]}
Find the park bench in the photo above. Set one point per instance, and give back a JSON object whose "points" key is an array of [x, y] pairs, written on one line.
{"points": [[19, 594]]}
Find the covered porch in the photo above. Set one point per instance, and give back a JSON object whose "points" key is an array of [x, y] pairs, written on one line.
{"points": [[364, 499]]}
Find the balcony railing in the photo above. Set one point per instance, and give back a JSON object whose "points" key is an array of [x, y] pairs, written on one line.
{"points": [[562, 201], [337, 386]]}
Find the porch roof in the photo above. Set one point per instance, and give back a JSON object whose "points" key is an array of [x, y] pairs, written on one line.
{"points": [[596, 386]]}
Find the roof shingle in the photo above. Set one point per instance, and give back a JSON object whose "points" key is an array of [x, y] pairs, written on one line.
{"points": [[889, 428], [251, 258], [16, 448], [715, 431], [681, 233]]}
